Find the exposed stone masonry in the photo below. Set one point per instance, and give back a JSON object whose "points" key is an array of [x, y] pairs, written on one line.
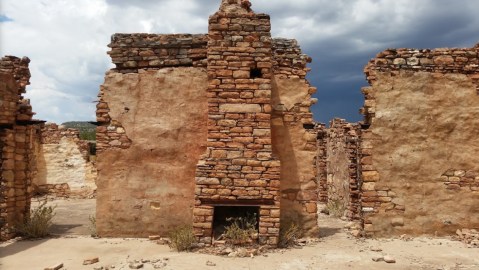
{"points": [[130, 52], [457, 179], [444, 60], [133, 52], [109, 133], [53, 133], [19, 136], [338, 170], [321, 161], [14, 107], [239, 164], [342, 167]]}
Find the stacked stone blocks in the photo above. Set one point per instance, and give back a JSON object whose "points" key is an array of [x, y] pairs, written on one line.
{"points": [[19, 136], [239, 165]]}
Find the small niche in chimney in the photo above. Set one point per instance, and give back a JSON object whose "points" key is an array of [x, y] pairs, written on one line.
{"points": [[255, 73], [225, 216]]}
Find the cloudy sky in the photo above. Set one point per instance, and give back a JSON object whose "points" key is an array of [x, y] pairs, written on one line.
{"points": [[66, 41]]}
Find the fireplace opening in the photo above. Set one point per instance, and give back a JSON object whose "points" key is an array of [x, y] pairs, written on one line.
{"points": [[224, 216]]}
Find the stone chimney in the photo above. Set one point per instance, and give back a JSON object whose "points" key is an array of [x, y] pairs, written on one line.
{"points": [[238, 168]]}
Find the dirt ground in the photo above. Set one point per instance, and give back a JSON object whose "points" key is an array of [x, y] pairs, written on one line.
{"points": [[335, 250]]}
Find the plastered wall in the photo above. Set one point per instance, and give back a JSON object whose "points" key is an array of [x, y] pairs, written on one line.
{"points": [[419, 154]]}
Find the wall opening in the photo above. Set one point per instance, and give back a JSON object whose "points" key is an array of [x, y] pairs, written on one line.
{"points": [[225, 215], [255, 73]]}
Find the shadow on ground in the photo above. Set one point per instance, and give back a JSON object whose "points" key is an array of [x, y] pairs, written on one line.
{"points": [[327, 231], [64, 229]]}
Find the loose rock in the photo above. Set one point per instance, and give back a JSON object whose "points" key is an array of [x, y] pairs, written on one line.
{"points": [[389, 259], [55, 267], [135, 265], [210, 263], [91, 261], [378, 258]]}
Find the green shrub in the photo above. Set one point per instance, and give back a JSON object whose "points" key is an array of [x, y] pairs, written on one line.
{"points": [[92, 226], [37, 224], [241, 230], [288, 234], [336, 208], [182, 238], [88, 135]]}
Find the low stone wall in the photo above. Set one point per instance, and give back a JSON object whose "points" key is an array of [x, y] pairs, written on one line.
{"points": [[419, 152]]}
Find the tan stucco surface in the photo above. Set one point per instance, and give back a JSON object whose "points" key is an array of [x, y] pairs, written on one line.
{"points": [[298, 183], [425, 124], [63, 163], [149, 187]]}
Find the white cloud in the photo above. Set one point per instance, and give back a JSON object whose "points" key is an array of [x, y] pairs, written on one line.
{"points": [[67, 39]]}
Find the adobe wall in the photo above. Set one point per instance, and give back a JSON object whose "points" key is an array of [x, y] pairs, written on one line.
{"points": [[64, 167], [150, 138], [294, 136], [19, 137], [152, 117], [419, 155]]}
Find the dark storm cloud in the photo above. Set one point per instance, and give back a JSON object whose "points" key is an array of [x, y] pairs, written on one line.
{"points": [[339, 58], [341, 36]]}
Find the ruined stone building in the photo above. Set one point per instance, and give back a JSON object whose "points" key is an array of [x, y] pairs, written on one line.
{"points": [[411, 167], [19, 137], [196, 128], [34, 157]]}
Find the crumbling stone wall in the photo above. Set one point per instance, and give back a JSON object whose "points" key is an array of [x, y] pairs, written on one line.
{"points": [[321, 165], [294, 135], [342, 168], [419, 154], [153, 114], [19, 136], [64, 165]]}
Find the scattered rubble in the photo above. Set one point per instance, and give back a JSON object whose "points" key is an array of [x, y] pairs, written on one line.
{"points": [[210, 263], [469, 236]]}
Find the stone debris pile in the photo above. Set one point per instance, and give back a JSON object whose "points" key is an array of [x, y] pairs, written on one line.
{"points": [[469, 236]]}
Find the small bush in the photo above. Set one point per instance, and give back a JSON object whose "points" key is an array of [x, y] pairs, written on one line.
{"points": [[241, 230], [37, 224], [182, 238], [288, 234], [92, 226], [336, 208]]}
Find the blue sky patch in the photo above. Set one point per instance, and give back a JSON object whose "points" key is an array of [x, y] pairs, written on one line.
{"points": [[4, 18]]}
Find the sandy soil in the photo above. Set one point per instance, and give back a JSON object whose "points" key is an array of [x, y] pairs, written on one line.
{"points": [[336, 250]]}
